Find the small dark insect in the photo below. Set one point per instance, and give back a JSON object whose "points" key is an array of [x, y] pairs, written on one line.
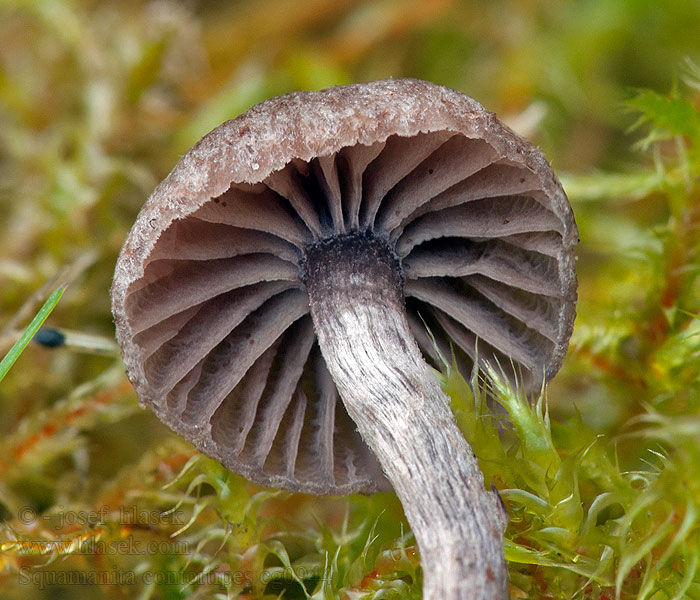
{"points": [[49, 337]]}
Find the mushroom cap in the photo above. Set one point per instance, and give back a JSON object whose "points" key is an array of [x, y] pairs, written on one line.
{"points": [[210, 307]]}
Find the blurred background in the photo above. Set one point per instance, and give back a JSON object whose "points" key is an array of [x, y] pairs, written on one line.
{"points": [[98, 99]]}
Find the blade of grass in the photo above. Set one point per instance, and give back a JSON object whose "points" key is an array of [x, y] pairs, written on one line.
{"points": [[19, 346]]}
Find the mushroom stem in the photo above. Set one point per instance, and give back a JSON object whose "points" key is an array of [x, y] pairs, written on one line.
{"points": [[355, 290]]}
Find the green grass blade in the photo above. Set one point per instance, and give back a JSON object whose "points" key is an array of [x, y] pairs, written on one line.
{"points": [[29, 332]]}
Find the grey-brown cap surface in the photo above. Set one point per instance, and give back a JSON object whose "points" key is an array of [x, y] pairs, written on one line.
{"points": [[209, 298]]}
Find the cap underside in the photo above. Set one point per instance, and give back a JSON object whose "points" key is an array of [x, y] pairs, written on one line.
{"points": [[220, 320]]}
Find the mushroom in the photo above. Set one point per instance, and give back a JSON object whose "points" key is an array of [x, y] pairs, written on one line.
{"points": [[293, 259]]}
